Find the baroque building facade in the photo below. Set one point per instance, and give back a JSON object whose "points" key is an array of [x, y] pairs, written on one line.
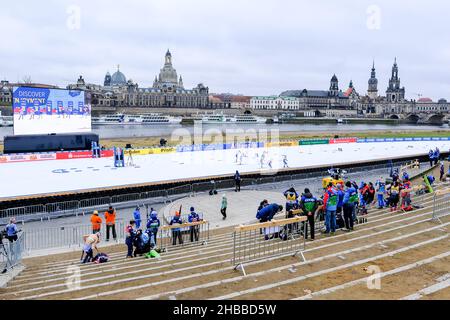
{"points": [[333, 102], [167, 91]]}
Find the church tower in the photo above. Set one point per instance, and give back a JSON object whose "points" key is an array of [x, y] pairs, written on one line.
{"points": [[372, 92], [334, 86], [180, 82], [168, 58], [107, 82], [394, 92]]}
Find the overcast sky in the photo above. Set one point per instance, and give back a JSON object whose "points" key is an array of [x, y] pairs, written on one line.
{"points": [[253, 47]]}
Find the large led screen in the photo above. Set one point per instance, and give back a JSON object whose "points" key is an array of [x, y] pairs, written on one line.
{"points": [[47, 111]]}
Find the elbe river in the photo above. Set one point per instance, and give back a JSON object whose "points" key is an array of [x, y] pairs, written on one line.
{"points": [[129, 131]]}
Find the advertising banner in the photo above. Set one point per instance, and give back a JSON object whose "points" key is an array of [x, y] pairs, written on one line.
{"points": [[282, 144], [46, 111], [342, 140], [27, 157], [313, 142]]}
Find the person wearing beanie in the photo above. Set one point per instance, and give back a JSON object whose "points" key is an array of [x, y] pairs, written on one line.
{"points": [[96, 222], [176, 232], [194, 230], [153, 225]]}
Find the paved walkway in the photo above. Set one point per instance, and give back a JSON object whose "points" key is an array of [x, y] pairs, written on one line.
{"points": [[242, 206]]}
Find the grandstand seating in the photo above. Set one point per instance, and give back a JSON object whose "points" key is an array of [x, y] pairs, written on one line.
{"points": [[404, 245]]}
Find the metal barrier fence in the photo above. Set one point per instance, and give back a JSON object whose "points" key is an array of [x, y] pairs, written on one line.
{"points": [[66, 236], [186, 234], [441, 204], [86, 205], [259, 241], [11, 253]]}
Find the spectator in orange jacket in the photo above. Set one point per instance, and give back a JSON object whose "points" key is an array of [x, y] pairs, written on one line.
{"points": [[110, 217], [96, 222]]}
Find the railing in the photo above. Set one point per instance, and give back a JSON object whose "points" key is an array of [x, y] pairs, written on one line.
{"points": [[11, 253], [441, 204], [128, 200], [186, 234], [258, 241], [65, 236]]}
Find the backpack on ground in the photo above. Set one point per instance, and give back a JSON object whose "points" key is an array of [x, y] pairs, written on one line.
{"points": [[101, 258], [152, 254]]}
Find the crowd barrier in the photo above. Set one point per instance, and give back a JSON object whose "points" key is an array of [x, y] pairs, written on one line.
{"points": [[11, 253], [186, 234], [441, 204], [66, 236], [258, 241], [85, 206]]}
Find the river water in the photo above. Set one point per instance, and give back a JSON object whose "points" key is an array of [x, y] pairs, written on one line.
{"points": [[128, 131]]}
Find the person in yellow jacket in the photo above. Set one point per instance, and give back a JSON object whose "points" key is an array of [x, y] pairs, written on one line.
{"points": [[96, 222]]}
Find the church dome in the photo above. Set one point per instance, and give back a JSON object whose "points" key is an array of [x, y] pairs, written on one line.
{"points": [[118, 79], [424, 100]]}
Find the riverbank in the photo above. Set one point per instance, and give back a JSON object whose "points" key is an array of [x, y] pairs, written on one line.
{"points": [[138, 142], [285, 136]]}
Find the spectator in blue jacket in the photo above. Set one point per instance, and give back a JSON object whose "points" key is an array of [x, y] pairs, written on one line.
{"points": [[237, 181], [11, 230], [137, 217], [176, 232], [381, 190], [349, 205], [129, 240], [153, 225], [437, 155], [340, 199], [431, 157], [330, 201], [194, 230], [268, 212]]}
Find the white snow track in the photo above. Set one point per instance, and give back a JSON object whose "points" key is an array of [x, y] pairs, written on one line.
{"points": [[44, 177]]}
